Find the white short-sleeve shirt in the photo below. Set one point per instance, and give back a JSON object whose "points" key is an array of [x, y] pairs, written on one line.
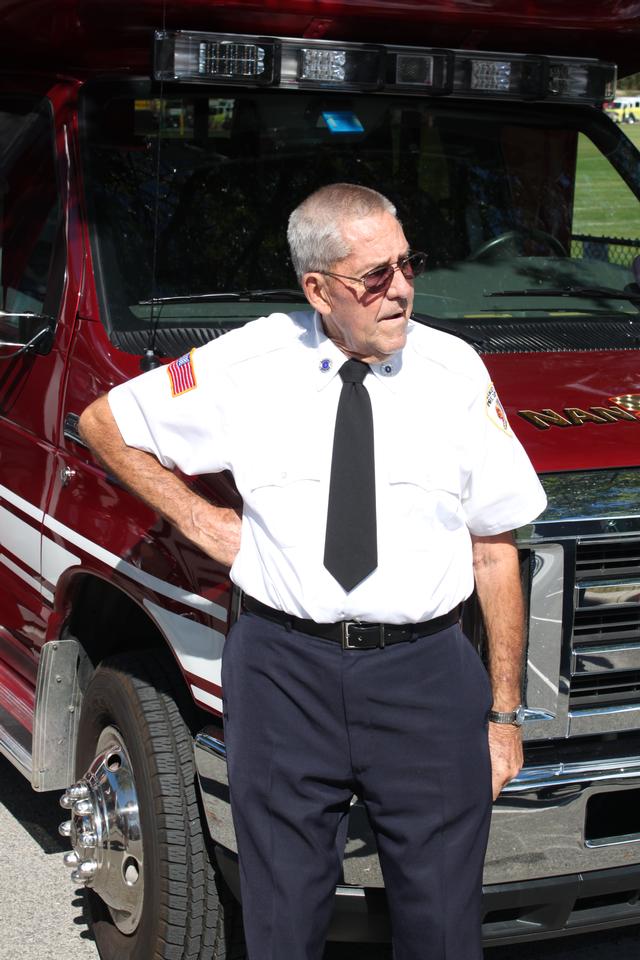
{"points": [[262, 404]]}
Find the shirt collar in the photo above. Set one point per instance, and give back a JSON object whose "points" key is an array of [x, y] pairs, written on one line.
{"points": [[328, 358]]}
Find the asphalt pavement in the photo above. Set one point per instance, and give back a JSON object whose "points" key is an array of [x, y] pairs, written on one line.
{"points": [[41, 910]]}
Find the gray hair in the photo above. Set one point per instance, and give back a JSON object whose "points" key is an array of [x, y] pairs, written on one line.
{"points": [[315, 226]]}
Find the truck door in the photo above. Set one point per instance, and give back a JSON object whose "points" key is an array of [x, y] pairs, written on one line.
{"points": [[32, 274]]}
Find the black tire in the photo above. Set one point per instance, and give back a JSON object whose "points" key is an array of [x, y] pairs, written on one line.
{"points": [[187, 912]]}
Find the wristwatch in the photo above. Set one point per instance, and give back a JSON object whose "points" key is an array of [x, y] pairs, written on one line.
{"points": [[513, 717]]}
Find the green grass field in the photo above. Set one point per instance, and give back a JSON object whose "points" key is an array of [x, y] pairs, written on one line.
{"points": [[604, 205]]}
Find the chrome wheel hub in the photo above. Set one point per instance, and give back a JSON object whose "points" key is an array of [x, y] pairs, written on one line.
{"points": [[104, 831]]}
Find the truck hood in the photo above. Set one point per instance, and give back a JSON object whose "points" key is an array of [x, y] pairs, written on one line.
{"points": [[572, 411], [85, 36]]}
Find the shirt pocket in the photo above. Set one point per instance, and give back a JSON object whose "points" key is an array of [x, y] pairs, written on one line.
{"points": [[424, 495], [284, 499]]}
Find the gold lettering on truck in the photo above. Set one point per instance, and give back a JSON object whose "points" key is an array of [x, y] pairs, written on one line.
{"points": [[543, 419], [577, 417]]}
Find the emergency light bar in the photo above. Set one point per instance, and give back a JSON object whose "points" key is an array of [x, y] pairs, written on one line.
{"points": [[326, 65]]}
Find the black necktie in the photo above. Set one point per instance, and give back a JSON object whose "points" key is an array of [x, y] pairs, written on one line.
{"points": [[351, 552]]}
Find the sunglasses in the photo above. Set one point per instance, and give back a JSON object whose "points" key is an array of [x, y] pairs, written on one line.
{"points": [[375, 281]]}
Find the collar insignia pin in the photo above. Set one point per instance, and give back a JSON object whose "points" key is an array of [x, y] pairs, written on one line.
{"points": [[325, 365]]}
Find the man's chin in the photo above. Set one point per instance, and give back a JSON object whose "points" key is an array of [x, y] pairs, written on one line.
{"points": [[392, 344]]}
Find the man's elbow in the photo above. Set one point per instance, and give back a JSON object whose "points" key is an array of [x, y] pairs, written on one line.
{"points": [[96, 420]]}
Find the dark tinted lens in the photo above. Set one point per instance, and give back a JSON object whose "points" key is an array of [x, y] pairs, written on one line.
{"points": [[378, 279], [413, 265]]}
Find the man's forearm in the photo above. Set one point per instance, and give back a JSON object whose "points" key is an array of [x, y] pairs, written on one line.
{"points": [[216, 530], [497, 576]]}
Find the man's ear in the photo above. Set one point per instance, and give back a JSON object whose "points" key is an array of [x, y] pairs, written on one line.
{"points": [[316, 292]]}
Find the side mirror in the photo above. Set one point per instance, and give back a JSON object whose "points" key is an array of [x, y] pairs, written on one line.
{"points": [[33, 330]]}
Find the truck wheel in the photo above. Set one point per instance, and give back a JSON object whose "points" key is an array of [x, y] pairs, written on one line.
{"points": [[136, 828]]}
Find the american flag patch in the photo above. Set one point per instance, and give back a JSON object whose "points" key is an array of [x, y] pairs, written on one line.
{"points": [[182, 375]]}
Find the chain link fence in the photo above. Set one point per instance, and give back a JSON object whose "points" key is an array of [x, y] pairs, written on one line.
{"points": [[608, 249]]}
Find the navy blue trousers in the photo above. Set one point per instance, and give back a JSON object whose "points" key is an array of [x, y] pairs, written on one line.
{"points": [[307, 725]]}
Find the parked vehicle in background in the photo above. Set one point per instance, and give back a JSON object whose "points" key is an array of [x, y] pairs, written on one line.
{"points": [[624, 109], [150, 154]]}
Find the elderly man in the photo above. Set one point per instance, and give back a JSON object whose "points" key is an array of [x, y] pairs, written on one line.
{"points": [[378, 474]]}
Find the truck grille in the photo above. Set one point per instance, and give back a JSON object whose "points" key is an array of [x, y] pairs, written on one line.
{"points": [[603, 558], [605, 663]]}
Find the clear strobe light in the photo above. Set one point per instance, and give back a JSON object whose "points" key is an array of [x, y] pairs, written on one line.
{"points": [[490, 75], [229, 59], [575, 80], [320, 64], [327, 65], [200, 56]]}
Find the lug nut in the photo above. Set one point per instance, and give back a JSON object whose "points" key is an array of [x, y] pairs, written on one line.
{"points": [[71, 859], [79, 791], [86, 869], [66, 801], [82, 808], [65, 828], [87, 839]]}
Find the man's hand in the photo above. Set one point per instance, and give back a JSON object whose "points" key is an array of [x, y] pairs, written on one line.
{"points": [[505, 747], [216, 530]]}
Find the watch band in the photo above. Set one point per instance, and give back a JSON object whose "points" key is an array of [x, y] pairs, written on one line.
{"points": [[513, 717]]}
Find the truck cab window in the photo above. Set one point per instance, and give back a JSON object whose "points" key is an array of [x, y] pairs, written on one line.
{"points": [[190, 197], [29, 216]]}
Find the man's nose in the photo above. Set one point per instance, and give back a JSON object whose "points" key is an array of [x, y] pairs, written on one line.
{"points": [[400, 288]]}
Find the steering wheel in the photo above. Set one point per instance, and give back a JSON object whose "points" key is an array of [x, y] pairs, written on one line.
{"points": [[515, 238]]}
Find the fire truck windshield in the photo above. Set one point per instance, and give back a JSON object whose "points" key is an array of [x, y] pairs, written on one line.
{"points": [[190, 196]]}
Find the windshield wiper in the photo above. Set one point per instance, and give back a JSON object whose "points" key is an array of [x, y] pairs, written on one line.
{"points": [[455, 328], [595, 293], [231, 296]]}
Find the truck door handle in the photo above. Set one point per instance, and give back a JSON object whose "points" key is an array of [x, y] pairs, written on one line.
{"points": [[66, 475]]}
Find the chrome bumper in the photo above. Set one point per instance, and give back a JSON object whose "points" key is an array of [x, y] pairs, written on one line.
{"points": [[548, 822]]}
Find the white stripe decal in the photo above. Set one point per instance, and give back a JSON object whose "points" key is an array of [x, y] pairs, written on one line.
{"points": [[55, 560], [23, 505], [19, 572], [117, 563], [24, 542], [197, 647], [207, 698], [20, 539]]}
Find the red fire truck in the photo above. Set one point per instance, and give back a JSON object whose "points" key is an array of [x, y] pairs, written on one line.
{"points": [[150, 153]]}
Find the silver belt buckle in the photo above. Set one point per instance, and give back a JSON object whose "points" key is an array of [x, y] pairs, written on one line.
{"points": [[350, 641]]}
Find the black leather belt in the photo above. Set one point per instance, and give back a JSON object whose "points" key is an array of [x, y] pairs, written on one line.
{"points": [[355, 634]]}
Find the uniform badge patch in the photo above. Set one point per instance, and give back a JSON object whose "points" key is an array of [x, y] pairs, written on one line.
{"points": [[495, 411], [182, 375]]}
